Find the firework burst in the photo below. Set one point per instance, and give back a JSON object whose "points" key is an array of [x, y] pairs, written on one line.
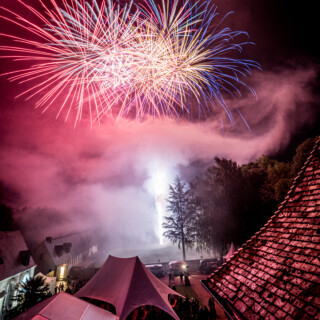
{"points": [[111, 59]]}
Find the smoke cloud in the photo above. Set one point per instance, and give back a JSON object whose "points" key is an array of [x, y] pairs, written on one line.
{"points": [[69, 179]]}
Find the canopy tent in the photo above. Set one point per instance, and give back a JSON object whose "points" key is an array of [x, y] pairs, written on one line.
{"points": [[67, 307], [127, 284], [231, 252]]}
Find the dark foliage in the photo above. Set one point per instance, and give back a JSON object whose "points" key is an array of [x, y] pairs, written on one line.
{"points": [[231, 202], [6, 219], [29, 294]]}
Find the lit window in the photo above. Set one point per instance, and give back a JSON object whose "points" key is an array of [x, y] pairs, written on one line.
{"points": [[62, 272]]}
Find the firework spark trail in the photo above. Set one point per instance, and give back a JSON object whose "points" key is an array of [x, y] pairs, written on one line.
{"points": [[75, 42], [115, 60]]}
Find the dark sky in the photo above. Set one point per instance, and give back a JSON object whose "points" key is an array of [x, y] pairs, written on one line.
{"points": [[284, 33], [282, 30], [109, 172]]}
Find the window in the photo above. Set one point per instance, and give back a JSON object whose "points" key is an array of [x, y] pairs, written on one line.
{"points": [[62, 272]]}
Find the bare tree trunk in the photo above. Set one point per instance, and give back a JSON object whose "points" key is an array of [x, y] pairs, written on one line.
{"points": [[183, 246]]}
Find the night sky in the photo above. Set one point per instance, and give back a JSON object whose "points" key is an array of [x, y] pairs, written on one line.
{"points": [[52, 172]]}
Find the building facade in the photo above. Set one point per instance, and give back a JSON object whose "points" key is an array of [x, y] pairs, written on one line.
{"points": [[16, 266], [56, 256]]}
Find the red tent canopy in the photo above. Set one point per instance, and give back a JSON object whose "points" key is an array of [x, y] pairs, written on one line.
{"points": [[67, 307], [231, 252], [127, 284]]}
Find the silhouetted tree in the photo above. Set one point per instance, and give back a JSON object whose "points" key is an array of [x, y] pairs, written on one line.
{"points": [[179, 225], [219, 201], [234, 202], [302, 153]]}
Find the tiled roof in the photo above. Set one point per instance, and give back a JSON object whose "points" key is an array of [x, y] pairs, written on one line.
{"points": [[78, 243], [12, 247], [276, 274]]}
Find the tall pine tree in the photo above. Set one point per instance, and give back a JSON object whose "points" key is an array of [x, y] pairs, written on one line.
{"points": [[179, 225]]}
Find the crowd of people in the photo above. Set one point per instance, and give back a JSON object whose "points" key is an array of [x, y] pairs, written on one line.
{"points": [[190, 308], [186, 308], [70, 287]]}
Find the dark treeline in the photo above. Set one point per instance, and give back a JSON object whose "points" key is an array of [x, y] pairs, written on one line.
{"points": [[228, 202]]}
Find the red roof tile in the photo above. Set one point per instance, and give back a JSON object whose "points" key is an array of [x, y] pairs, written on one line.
{"points": [[276, 274]]}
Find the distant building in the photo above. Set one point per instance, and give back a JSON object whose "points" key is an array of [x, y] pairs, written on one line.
{"points": [[55, 256], [16, 266], [276, 274]]}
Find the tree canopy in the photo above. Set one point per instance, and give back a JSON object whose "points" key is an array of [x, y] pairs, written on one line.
{"points": [[229, 203], [178, 226]]}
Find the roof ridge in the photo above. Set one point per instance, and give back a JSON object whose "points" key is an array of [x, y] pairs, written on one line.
{"points": [[85, 311], [136, 258], [139, 264], [136, 261], [281, 206], [274, 273], [51, 302], [71, 234]]}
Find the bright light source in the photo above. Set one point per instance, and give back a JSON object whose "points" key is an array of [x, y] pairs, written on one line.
{"points": [[62, 272], [159, 178]]}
